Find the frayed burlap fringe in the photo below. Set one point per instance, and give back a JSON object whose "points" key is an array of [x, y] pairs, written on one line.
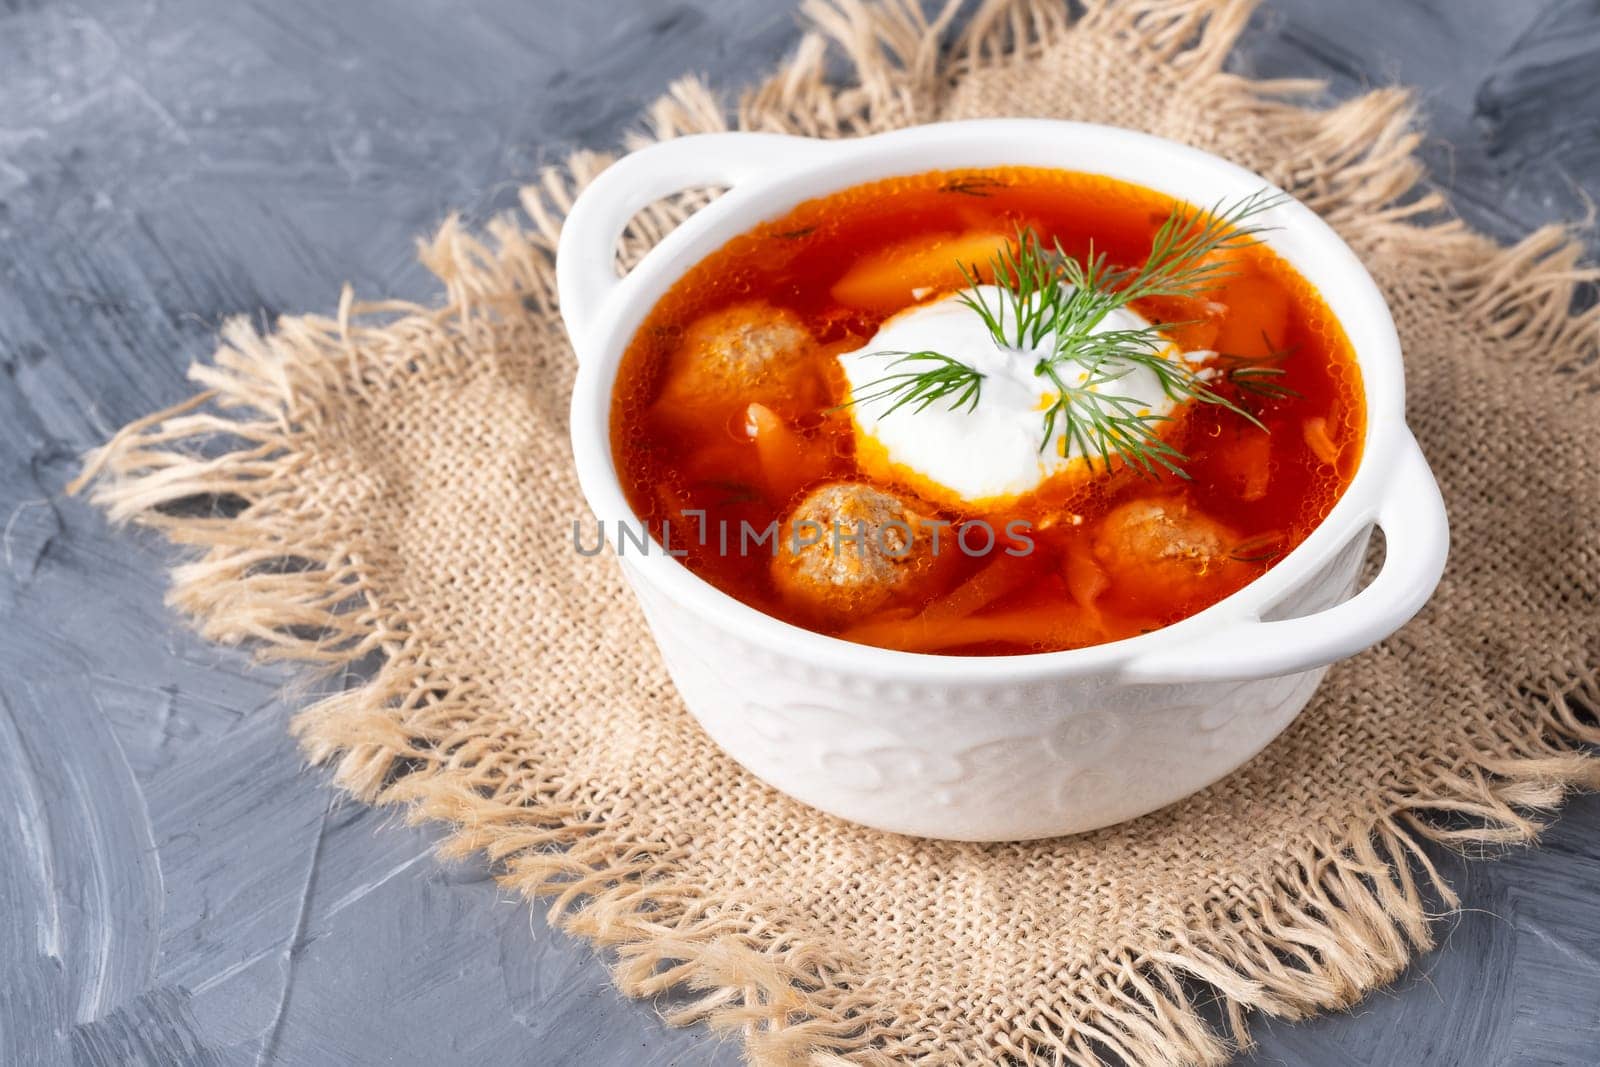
{"points": [[284, 562]]}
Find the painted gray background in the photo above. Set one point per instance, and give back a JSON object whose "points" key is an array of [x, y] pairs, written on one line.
{"points": [[173, 887]]}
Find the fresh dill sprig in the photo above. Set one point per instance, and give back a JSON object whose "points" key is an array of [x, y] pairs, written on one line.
{"points": [[975, 185], [1098, 423], [1259, 376], [1027, 278], [1045, 299], [1261, 381], [948, 377], [1088, 410], [1181, 261], [1261, 549]]}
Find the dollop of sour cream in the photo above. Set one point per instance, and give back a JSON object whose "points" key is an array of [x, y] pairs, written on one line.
{"points": [[997, 450]]}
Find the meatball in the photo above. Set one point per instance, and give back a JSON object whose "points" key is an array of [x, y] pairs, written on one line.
{"points": [[849, 548], [1166, 553], [745, 352]]}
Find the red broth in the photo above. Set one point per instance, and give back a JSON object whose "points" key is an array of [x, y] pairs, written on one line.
{"points": [[1100, 566]]}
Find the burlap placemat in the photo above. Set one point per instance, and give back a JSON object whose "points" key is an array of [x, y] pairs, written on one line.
{"points": [[396, 480]]}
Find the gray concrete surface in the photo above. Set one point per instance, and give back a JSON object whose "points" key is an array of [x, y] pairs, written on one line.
{"points": [[174, 888]]}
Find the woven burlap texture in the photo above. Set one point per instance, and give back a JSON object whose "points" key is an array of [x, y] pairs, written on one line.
{"points": [[401, 485]]}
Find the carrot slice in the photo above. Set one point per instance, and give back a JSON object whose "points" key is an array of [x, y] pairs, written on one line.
{"points": [[921, 634], [1247, 463], [951, 620], [788, 461], [1085, 578], [887, 280], [1002, 575], [1320, 442], [723, 460], [1258, 310]]}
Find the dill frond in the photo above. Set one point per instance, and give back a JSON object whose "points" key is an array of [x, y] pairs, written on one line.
{"points": [[948, 377], [1044, 299]]}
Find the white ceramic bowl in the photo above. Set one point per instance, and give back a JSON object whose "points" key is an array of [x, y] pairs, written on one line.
{"points": [[997, 748]]}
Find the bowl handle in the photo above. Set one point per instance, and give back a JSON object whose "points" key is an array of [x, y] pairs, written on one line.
{"points": [[586, 267], [1416, 539]]}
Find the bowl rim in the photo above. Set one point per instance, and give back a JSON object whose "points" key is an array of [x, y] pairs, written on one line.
{"points": [[1300, 236]]}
